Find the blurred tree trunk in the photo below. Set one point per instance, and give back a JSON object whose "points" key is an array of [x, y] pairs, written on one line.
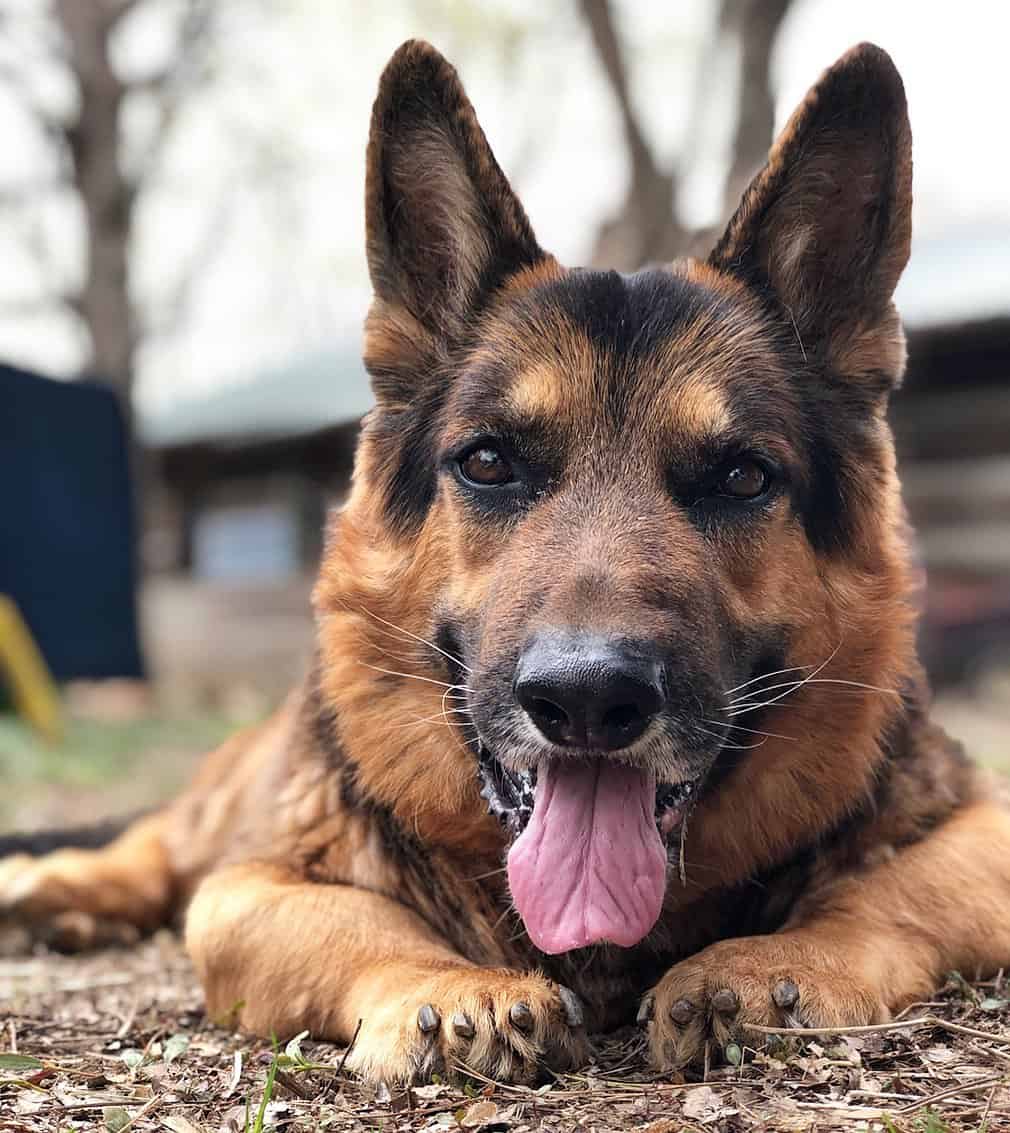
{"points": [[106, 196], [646, 227], [755, 24]]}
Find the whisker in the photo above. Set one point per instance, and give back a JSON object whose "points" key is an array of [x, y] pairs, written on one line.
{"points": [[413, 723], [423, 641], [729, 746], [740, 709], [490, 873], [857, 684], [767, 676], [465, 707], [793, 685], [753, 731], [506, 912], [402, 658], [414, 677]]}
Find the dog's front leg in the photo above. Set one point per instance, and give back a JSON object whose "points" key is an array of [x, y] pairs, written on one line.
{"points": [[278, 955], [856, 951]]}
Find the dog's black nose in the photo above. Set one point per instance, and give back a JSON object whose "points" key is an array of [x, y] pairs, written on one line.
{"points": [[588, 692]]}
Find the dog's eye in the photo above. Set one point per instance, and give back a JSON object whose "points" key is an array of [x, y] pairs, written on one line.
{"points": [[486, 467], [745, 480]]}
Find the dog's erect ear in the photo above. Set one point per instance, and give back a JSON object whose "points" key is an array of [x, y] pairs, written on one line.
{"points": [[444, 227], [827, 223]]}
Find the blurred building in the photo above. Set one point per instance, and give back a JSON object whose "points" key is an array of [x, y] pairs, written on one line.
{"points": [[952, 421], [247, 471]]}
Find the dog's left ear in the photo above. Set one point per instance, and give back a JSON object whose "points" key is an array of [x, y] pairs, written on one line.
{"points": [[444, 228], [826, 225]]}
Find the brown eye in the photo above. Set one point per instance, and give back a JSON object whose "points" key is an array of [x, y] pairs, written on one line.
{"points": [[486, 467], [746, 480]]}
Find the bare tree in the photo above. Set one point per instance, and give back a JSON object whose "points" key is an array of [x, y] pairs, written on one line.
{"points": [[646, 226], [86, 140]]}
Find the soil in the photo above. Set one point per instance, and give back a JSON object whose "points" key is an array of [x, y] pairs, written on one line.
{"points": [[117, 1040]]}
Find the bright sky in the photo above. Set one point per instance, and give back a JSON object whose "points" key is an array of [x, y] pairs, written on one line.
{"points": [[264, 181]]}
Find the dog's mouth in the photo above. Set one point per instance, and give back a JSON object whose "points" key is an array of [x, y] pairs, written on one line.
{"points": [[510, 794], [591, 843]]}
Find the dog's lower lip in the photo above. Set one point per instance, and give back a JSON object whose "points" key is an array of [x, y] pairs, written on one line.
{"points": [[670, 795], [508, 794]]}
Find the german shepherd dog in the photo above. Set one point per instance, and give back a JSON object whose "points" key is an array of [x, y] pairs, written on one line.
{"points": [[615, 711]]}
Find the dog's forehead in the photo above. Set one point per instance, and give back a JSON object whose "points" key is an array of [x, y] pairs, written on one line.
{"points": [[670, 347]]}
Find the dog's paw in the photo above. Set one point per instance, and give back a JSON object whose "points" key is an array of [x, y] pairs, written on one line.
{"points": [[715, 998], [504, 1025], [61, 900]]}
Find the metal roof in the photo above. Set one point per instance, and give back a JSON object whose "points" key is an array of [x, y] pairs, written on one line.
{"points": [[959, 277], [313, 391]]}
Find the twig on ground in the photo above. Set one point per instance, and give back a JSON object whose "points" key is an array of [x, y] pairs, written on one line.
{"points": [[951, 1091], [349, 1048], [883, 1028]]}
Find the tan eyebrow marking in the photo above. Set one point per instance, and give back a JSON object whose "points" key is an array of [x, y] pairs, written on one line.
{"points": [[539, 391], [699, 406]]}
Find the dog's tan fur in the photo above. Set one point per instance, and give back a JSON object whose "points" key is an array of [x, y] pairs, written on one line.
{"points": [[338, 863]]}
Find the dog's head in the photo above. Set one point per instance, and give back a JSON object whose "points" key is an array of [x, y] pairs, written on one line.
{"points": [[604, 527]]}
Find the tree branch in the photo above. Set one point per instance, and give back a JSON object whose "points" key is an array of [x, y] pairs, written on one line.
{"points": [[755, 24], [599, 17], [645, 228], [176, 81]]}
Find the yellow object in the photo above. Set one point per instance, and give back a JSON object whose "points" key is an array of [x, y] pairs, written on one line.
{"points": [[35, 695]]}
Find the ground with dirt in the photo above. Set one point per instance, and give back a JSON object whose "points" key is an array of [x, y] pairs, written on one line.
{"points": [[118, 1041]]}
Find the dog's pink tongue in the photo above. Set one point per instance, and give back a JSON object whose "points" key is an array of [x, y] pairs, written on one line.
{"points": [[590, 865]]}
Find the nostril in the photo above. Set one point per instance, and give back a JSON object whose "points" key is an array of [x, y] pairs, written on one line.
{"points": [[623, 718], [547, 712]]}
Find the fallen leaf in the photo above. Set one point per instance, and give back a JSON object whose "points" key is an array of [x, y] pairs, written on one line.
{"points": [[941, 1054], [176, 1123], [478, 1114], [116, 1118], [19, 1062], [429, 1093], [132, 1058], [701, 1104]]}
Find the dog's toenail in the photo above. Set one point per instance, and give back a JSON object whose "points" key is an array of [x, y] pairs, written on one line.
{"points": [[572, 1005], [428, 1019], [785, 993], [521, 1016], [463, 1025], [682, 1012], [646, 1009], [725, 1001]]}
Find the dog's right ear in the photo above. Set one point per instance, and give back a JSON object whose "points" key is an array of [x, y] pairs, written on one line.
{"points": [[444, 228]]}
